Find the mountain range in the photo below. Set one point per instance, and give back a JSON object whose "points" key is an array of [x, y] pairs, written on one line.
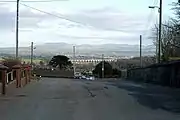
{"points": [[83, 49]]}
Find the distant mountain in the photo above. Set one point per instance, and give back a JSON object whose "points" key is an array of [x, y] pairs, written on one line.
{"points": [[84, 49]]}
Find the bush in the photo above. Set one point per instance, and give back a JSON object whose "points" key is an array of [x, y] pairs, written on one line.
{"points": [[116, 73]]}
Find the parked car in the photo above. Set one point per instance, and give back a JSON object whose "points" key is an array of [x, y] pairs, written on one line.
{"points": [[83, 77], [90, 78], [77, 75]]}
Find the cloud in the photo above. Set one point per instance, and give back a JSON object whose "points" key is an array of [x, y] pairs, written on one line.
{"points": [[111, 19], [27, 18], [103, 25], [7, 18]]}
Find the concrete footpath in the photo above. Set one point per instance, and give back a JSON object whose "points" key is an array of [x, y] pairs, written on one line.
{"points": [[69, 99]]}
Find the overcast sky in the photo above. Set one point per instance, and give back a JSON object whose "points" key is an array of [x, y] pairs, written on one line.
{"points": [[92, 21]]}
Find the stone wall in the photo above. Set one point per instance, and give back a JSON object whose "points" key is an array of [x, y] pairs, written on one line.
{"points": [[167, 74], [54, 73]]}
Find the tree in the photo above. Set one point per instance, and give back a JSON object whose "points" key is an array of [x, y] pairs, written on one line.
{"points": [[107, 69], [170, 42], [41, 63], [60, 61], [176, 28], [116, 72], [176, 9], [166, 41]]}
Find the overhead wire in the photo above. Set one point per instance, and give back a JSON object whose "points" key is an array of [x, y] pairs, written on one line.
{"points": [[155, 2], [4, 1], [65, 18], [150, 18], [42, 11], [54, 15], [60, 15]]}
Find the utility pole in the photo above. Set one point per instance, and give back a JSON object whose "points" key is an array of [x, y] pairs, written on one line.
{"points": [[140, 50], [102, 65], [17, 29], [160, 24], [157, 46], [32, 50], [74, 66]]}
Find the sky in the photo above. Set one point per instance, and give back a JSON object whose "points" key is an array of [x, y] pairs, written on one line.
{"points": [[80, 21]]}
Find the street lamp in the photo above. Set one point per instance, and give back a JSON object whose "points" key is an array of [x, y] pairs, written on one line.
{"points": [[157, 56], [152, 7], [160, 23]]}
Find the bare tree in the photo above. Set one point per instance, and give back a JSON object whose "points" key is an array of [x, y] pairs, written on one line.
{"points": [[164, 41], [170, 40]]}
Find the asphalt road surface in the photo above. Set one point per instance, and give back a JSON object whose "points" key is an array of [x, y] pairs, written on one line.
{"points": [[68, 99]]}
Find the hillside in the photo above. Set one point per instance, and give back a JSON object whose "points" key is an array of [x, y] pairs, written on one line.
{"points": [[84, 49]]}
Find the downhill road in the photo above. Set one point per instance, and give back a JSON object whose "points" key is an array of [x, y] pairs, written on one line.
{"points": [[68, 99]]}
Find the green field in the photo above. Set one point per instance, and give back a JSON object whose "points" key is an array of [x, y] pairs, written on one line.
{"points": [[29, 60]]}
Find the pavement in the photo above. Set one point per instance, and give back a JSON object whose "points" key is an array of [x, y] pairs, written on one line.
{"points": [[69, 99]]}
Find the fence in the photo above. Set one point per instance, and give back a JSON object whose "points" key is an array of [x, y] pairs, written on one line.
{"points": [[167, 74], [19, 76]]}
